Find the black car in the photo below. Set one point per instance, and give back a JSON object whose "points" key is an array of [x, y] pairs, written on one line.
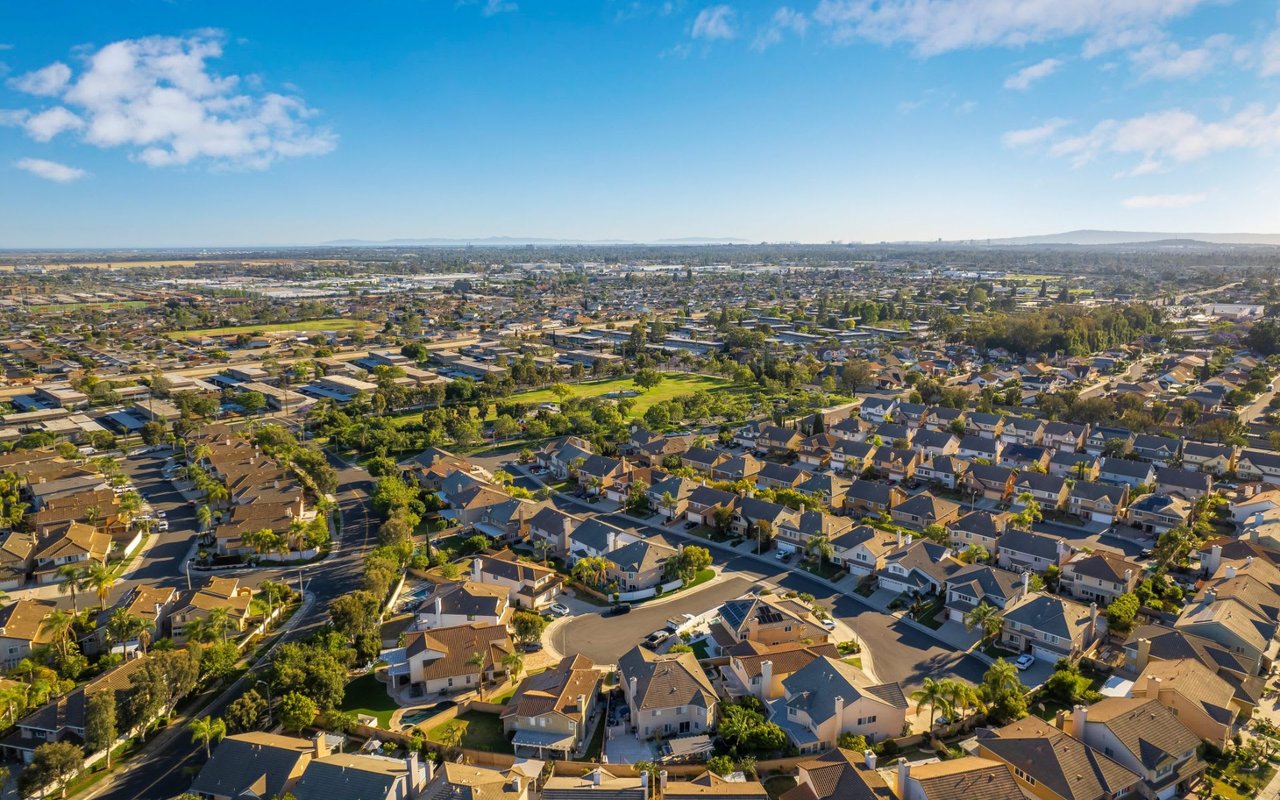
{"points": [[688, 526], [531, 647], [619, 609]]}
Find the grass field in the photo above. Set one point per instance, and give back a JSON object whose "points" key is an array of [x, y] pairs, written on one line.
{"points": [[334, 324], [479, 732], [368, 695], [673, 385], [55, 308]]}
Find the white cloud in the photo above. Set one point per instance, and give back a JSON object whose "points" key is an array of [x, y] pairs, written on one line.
{"points": [[49, 123], [1146, 167], [1170, 61], [1164, 200], [45, 82], [50, 170], [714, 22], [1029, 136], [157, 98], [1023, 78], [1270, 65], [785, 20], [939, 26], [493, 7]]}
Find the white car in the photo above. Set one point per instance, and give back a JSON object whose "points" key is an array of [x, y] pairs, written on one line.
{"points": [[828, 623], [162, 526], [1025, 661], [559, 609]]}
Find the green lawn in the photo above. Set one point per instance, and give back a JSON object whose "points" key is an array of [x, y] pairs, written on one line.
{"points": [[479, 732], [673, 385], [368, 695], [702, 577], [307, 325], [60, 307]]}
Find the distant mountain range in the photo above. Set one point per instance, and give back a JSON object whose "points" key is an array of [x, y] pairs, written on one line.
{"points": [[516, 241], [1092, 237]]}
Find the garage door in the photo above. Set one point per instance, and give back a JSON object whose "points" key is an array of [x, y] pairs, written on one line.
{"points": [[1045, 655], [694, 517], [1100, 517], [784, 546]]}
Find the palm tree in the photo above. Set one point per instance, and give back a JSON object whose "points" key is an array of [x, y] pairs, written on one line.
{"points": [[100, 578], [204, 516], [764, 532], [960, 696], [1029, 514], [591, 570], [219, 621], [542, 548], [933, 694], [12, 698], [477, 660], [72, 576], [669, 503], [820, 546], [123, 626], [984, 616], [59, 624], [513, 663], [206, 730]]}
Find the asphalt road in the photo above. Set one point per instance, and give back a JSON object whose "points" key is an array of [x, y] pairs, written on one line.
{"points": [[167, 766], [900, 652]]}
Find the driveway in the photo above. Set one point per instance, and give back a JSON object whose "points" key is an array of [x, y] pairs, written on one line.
{"points": [[605, 639]]}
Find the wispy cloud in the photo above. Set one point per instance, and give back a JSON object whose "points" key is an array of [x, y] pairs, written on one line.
{"points": [[785, 20], [157, 98], [1164, 200], [1168, 60], [932, 27], [1023, 78], [1030, 136], [715, 22], [1173, 135], [50, 170], [494, 7]]}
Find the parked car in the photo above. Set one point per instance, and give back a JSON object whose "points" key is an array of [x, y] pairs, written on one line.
{"points": [[688, 526], [782, 555], [828, 623], [653, 640], [619, 610], [162, 525], [559, 609], [531, 647], [1025, 661]]}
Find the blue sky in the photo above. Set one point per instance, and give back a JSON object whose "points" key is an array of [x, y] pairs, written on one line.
{"points": [[185, 123]]}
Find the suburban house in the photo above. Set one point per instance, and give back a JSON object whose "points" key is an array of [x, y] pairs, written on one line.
{"points": [[868, 498], [1190, 485], [1028, 551], [1049, 627], [1146, 738], [945, 471], [1215, 459], [1157, 513], [1077, 466], [1159, 450], [780, 476], [976, 584], [990, 426], [598, 473], [1126, 471], [440, 660], [974, 447], [1099, 576], [797, 531], [1065, 436], [766, 620], [919, 567], [1050, 764], [529, 585], [1098, 502], [199, 605], [1020, 430], [463, 602], [924, 509], [828, 697], [254, 764], [640, 564], [839, 775], [1203, 700], [553, 527], [363, 775], [703, 502], [669, 695], [772, 437], [964, 777], [1049, 491], [1098, 438], [78, 543], [552, 712], [22, 629], [738, 468], [983, 528], [759, 669], [561, 455], [702, 459], [862, 551], [992, 482]]}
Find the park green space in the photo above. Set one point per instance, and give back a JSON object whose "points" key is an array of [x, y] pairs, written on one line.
{"points": [[673, 385], [61, 307], [306, 325]]}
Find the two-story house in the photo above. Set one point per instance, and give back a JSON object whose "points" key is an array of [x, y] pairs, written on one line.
{"points": [[827, 697], [668, 695]]}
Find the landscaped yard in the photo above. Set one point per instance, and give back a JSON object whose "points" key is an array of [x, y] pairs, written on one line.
{"points": [[778, 785], [368, 695], [479, 732], [306, 325], [1234, 772]]}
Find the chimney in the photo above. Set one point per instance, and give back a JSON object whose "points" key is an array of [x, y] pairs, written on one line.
{"points": [[1064, 550], [1210, 595], [428, 771], [596, 777], [644, 783], [662, 780], [1093, 614], [766, 678], [320, 745], [908, 539], [899, 536], [475, 569], [414, 770], [869, 758], [1026, 582], [1079, 719], [1128, 576], [1060, 719], [904, 775], [582, 705], [839, 701], [1214, 559], [631, 696], [439, 607], [1231, 571], [1144, 654]]}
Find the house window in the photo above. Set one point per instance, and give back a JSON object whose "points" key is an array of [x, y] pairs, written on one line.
{"points": [[1024, 776]]}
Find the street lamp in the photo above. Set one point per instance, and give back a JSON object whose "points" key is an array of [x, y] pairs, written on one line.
{"points": [[270, 719]]}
